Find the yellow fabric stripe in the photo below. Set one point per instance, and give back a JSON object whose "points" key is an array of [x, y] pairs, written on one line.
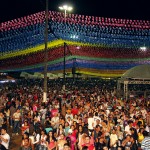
{"points": [[95, 72], [41, 47]]}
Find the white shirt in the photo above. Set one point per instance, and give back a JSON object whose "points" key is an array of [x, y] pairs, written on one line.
{"points": [[113, 139], [43, 140], [90, 123], [17, 116], [55, 119], [97, 118], [68, 115], [144, 113], [5, 136], [37, 139], [127, 129], [43, 113]]}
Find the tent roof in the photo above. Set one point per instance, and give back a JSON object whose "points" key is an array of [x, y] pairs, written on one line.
{"points": [[138, 72]]}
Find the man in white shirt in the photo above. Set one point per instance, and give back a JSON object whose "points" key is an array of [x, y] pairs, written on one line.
{"points": [[90, 122], [16, 118], [127, 128], [69, 115], [113, 139], [43, 114], [96, 117], [4, 139], [55, 121]]}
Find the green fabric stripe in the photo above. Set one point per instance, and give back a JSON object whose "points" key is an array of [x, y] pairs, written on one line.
{"points": [[78, 57]]}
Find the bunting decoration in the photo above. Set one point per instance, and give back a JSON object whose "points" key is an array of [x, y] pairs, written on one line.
{"points": [[100, 46]]}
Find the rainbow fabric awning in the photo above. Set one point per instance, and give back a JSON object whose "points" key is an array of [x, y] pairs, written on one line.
{"points": [[98, 46]]}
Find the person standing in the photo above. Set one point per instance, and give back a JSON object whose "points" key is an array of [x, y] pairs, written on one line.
{"points": [[16, 118], [26, 145], [145, 145], [88, 144], [4, 139], [113, 140], [1, 120], [12, 111], [148, 120]]}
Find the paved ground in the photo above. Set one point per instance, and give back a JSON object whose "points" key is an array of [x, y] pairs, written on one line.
{"points": [[15, 140]]}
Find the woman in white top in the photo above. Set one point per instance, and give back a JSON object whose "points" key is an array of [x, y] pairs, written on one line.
{"points": [[60, 130], [7, 112], [36, 136], [43, 142]]}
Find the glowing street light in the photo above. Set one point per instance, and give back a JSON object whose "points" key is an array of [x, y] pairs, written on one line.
{"points": [[65, 8]]}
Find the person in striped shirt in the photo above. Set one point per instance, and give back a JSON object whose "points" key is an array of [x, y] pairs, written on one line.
{"points": [[146, 141]]}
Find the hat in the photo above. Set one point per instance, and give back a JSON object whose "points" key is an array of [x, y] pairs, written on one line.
{"points": [[70, 131]]}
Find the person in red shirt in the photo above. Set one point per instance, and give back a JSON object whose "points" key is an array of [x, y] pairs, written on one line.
{"points": [[74, 110], [88, 143], [135, 122], [74, 131]]}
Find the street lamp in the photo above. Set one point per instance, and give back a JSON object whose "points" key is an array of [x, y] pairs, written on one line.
{"points": [[65, 8]]}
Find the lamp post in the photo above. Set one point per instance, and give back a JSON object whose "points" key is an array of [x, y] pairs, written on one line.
{"points": [[46, 53], [65, 8]]}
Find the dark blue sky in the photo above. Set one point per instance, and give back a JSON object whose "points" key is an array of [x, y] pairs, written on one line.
{"points": [[131, 9]]}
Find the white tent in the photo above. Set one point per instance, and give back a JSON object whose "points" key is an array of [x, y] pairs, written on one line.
{"points": [[136, 75]]}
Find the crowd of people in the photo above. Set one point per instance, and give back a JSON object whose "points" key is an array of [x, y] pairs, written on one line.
{"points": [[88, 115]]}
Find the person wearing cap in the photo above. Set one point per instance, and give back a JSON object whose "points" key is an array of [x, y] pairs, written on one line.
{"points": [[68, 114]]}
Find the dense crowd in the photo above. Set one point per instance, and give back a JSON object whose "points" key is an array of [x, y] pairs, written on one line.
{"points": [[88, 115]]}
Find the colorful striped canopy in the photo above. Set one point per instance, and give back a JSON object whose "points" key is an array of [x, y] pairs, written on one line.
{"points": [[97, 46]]}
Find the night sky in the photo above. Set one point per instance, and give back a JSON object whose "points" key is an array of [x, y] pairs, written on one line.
{"points": [[125, 9]]}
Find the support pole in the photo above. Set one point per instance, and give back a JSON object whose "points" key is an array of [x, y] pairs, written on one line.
{"points": [[46, 54], [126, 89], [74, 69], [64, 70]]}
